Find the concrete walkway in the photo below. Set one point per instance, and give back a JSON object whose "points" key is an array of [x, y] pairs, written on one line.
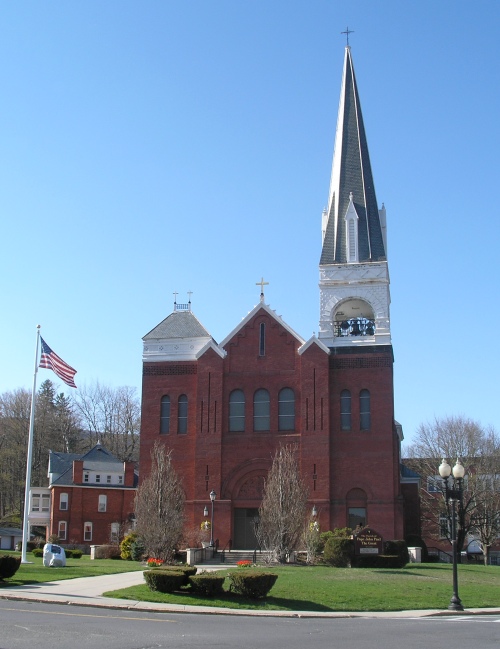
{"points": [[87, 591]]}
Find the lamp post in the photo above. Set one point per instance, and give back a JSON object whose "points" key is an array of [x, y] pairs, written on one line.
{"points": [[213, 495], [453, 495]]}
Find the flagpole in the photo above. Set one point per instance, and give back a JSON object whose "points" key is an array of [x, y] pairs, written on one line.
{"points": [[29, 456]]}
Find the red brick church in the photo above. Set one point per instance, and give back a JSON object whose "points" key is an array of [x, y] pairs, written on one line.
{"points": [[224, 408]]}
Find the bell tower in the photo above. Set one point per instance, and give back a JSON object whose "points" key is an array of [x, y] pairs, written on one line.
{"points": [[354, 276]]}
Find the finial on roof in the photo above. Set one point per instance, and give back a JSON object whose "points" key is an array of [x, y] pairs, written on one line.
{"points": [[262, 283], [347, 32]]}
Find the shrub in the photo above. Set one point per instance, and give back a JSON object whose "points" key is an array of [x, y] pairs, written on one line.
{"points": [[137, 550], [208, 584], [53, 538], [398, 548], [339, 552], [391, 561], [252, 584], [37, 552], [75, 554], [9, 565], [164, 581], [126, 546], [185, 571], [107, 552]]}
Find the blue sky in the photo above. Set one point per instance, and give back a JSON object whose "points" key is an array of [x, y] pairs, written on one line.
{"points": [[151, 147]]}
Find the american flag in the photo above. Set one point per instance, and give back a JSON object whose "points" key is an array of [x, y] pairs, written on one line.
{"points": [[51, 361]]}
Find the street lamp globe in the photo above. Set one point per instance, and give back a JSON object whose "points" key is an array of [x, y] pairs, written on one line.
{"points": [[444, 469], [458, 470]]}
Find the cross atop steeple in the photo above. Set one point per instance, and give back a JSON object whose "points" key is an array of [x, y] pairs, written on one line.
{"points": [[347, 32], [262, 283]]}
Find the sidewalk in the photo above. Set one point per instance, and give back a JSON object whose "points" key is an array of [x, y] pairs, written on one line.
{"points": [[87, 591]]}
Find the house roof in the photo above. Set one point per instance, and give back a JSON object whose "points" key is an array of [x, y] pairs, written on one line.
{"points": [[179, 324], [351, 174], [97, 459]]}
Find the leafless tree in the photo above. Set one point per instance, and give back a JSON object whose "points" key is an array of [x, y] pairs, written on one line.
{"points": [[283, 509], [159, 507], [478, 449], [110, 416]]}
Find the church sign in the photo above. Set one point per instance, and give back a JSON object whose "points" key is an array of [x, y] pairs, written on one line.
{"points": [[368, 542]]}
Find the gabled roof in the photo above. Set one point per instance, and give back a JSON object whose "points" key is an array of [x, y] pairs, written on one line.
{"points": [[314, 341], [351, 172], [252, 313], [97, 459], [179, 324]]}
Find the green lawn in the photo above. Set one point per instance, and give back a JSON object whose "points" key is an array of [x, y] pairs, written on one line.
{"points": [[36, 572], [423, 586], [302, 588]]}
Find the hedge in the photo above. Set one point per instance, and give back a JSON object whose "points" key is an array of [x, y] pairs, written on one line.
{"points": [[164, 581], [252, 584], [400, 549], [107, 552], [185, 571], [9, 565], [208, 584], [338, 552]]}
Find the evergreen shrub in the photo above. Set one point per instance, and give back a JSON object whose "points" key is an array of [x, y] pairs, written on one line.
{"points": [[208, 584], [164, 581], [398, 548], [252, 584], [126, 546], [9, 565], [338, 552], [37, 552], [75, 554], [391, 561]]}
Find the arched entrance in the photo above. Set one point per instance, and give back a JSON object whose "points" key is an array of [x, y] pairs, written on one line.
{"points": [[246, 513]]}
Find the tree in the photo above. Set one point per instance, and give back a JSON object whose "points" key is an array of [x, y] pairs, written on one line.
{"points": [[159, 507], [478, 449], [283, 509], [110, 416]]}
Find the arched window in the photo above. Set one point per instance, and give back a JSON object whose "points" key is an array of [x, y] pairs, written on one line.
{"points": [[345, 410], [286, 409], [182, 414], [165, 415], [261, 410], [237, 411], [364, 410]]}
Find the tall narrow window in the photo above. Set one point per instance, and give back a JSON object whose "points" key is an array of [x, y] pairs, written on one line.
{"points": [[115, 533], [262, 339], [45, 502], [165, 415], [261, 410], [87, 531], [182, 414], [237, 411], [103, 502], [286, 409], [61, 530], [345, 410], [364, 410], [63, 502]]}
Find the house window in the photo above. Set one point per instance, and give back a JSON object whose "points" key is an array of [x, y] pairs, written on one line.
{"points": [[120, 479], [40, 502], [286, 409], [364, 410], [86, 476], [182, 414], [345, 410], [262, 339], [63, 502], [108, 479], [87, 531], [165, 415], [98, 477], [115, 533], [237, 411], [261, 410], [35, 502], [103, 501], [61, 530]]}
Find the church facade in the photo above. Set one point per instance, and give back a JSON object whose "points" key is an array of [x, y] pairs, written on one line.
{"points": [[225, 408]]}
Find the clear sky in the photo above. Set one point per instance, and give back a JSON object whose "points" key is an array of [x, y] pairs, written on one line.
{"points": [[157, 146]]}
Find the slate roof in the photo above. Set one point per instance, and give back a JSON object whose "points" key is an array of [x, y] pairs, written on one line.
{"points": [[97, 459], [179, 324], [351, 172]]}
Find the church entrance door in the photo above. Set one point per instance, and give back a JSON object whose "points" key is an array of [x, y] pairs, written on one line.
{"points": [[244, 533]]}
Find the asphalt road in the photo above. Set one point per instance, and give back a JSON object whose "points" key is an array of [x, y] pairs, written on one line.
{"points": [[28, 625]]}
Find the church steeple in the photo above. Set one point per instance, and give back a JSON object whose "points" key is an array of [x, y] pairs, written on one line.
{"points": [[351, 185], [354, 276]]}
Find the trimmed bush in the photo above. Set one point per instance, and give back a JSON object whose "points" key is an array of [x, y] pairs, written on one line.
{"points": [[107, 552], [391, 561], [207, 584], [9, 565], [338, 552], [252, 584], [75, 554], [185, 571], [37, 552], [126, 546], [164, 581], [398, 548], [137, 550]]}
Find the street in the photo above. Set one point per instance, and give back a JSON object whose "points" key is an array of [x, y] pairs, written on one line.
{"points": [[24, 625]]}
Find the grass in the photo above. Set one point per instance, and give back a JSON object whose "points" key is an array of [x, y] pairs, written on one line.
{"points": [[303, 588], [422, 586], [36, 572]]}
